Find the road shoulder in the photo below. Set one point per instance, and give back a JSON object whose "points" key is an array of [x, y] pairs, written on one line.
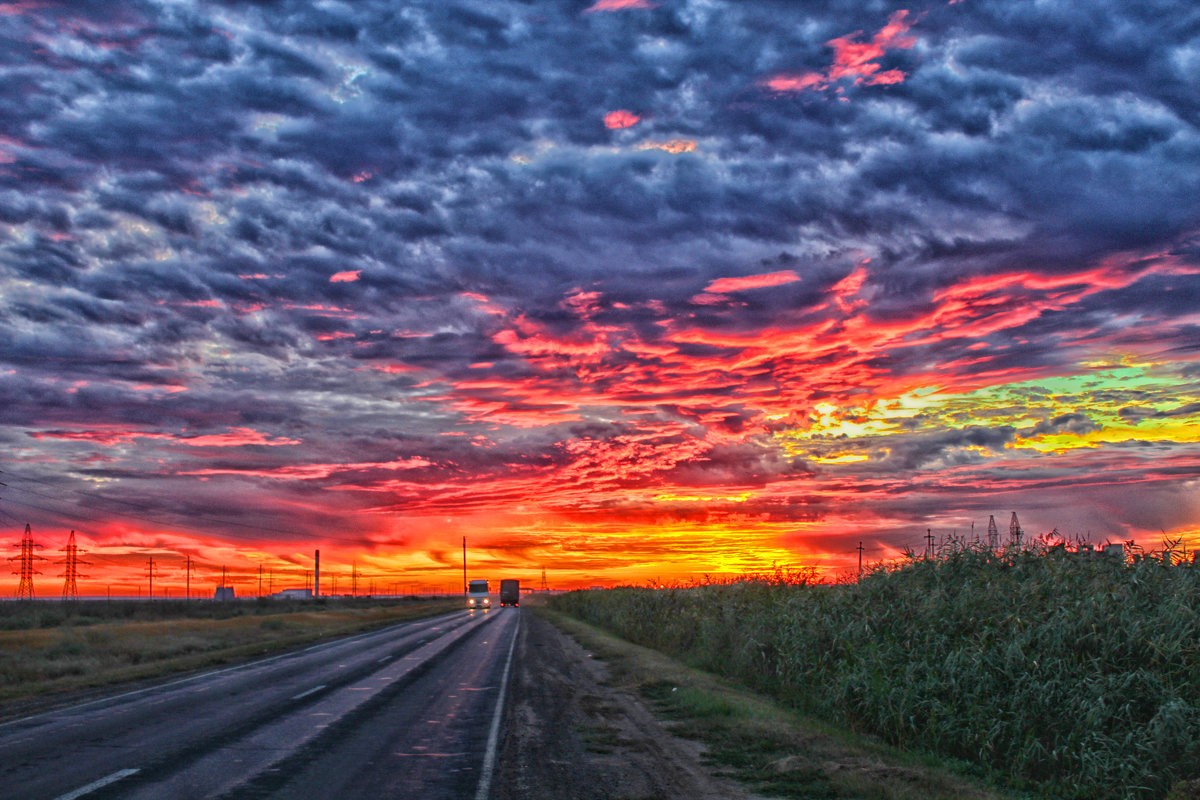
{"points": [[571, 734], [593, 716]]}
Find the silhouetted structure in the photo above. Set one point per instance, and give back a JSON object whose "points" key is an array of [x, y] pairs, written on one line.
{"points": [[28, 555], [1014, 531], [71, 569]]}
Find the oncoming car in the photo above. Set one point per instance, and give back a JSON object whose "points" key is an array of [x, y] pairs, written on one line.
{"points": [[477, 595]]}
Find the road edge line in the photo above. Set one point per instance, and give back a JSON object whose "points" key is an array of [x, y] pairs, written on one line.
{"points": [[207, 674], [489, 756], [100, 784]]}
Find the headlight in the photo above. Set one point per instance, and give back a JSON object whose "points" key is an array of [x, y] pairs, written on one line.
{"points": [[471, 602], [487, 602]]}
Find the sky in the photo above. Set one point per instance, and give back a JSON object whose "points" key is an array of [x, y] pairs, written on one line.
{"points": [[628, 291]]}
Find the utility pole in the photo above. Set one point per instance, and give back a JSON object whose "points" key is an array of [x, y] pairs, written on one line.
{"points": [[464, 565], [188, 578], [354, 578], [860, 552], [150, 572], [928, 543]]}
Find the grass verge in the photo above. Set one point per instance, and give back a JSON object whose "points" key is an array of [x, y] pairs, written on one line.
{"points": [[771, 750], [42, 667]]}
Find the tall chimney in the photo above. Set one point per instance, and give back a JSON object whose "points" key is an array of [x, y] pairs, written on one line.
{"points": [[317, 574]]}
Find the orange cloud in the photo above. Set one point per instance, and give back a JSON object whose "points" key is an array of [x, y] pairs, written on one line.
{"points": [[620, 119], [670, 146], [345, 277], [853, 60]]}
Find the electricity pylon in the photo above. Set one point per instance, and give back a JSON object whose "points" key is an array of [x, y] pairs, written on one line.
{"points": [[1014, 531], [71, 569], [28, 555]]}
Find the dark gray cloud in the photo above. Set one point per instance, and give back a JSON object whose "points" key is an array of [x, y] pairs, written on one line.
{"points": [[400, 231]]}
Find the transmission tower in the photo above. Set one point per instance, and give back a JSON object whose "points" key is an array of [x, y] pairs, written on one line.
{"points": [[993, 533], [71, 569], [543, 579], [1014, 531], [27, 557]]}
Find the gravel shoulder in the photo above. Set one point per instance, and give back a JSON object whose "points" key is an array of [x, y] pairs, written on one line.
{"points": [[593, 716], [571, 735]]}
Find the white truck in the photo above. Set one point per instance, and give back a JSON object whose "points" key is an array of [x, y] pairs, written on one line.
{"points": [[477, 595]]}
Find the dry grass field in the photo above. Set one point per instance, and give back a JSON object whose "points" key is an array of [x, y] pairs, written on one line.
{"points": [[84, 650]]}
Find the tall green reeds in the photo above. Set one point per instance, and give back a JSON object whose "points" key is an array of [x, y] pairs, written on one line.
{"points": [[1077, 675]]}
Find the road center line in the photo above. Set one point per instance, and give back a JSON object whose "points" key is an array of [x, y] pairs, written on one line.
{"points": [[313, 690], [489, 757], [100, 784]]}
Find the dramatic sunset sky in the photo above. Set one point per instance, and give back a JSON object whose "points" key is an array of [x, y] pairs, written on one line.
{"points": [[628, 290]]}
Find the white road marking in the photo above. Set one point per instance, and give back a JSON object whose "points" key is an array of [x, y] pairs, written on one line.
{"points": [[313, 690], [192, 678], [100, 784], [489, 757]]}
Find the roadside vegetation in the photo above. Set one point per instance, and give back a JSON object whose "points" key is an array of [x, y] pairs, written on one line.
{"points": [[772, 750], [1071, 675], [48, 648]]}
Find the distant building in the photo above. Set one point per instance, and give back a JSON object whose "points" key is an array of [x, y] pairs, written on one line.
{"points": [[293, 594], [223, 593]]}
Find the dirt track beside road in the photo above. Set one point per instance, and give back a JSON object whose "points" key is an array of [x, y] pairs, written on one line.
{"points": [[569, 735]]}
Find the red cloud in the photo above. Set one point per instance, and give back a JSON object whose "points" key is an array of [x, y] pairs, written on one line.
{"points": [[620, 119], [315, 471], [345, 277], [236, 438], [857, 61], [617, 5], [12, 9], [722, 285], [105, 437]]}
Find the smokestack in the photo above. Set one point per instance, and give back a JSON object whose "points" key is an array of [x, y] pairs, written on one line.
{"points": [[317, 574]]}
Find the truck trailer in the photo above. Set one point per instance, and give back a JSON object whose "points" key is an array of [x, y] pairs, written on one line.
{"points": [[510, 592]]}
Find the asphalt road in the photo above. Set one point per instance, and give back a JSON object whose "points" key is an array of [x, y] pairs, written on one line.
{"points": [[409, 711]]}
